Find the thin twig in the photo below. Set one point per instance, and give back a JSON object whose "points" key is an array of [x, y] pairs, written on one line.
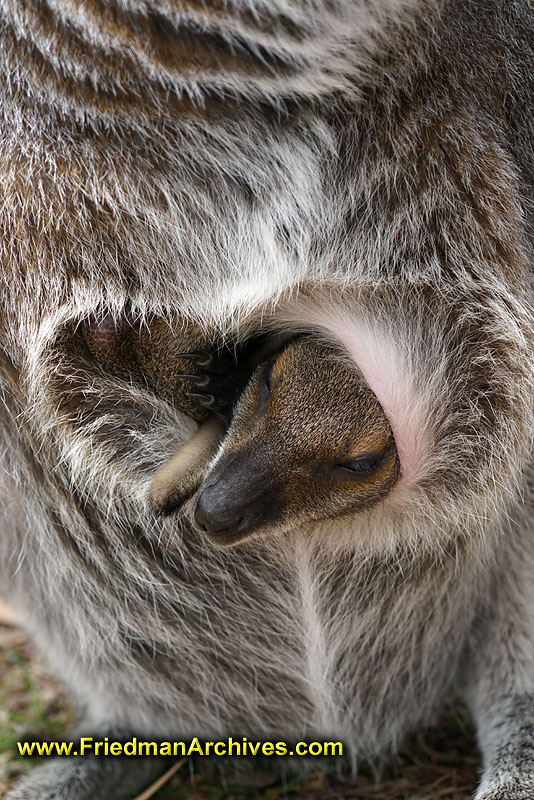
{"points": [[444, 792], [151, 791]]}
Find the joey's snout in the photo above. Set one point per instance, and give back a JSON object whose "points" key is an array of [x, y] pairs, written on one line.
{"points": [[233, 503]]}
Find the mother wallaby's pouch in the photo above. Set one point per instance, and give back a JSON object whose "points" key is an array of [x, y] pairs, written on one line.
{"points": [[150, 353]]}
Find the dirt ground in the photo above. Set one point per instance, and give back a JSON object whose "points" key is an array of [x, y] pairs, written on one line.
{"points": [[441, 765]]}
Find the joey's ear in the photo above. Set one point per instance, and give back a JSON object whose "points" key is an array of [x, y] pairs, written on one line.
{"points": [[182, 475]]}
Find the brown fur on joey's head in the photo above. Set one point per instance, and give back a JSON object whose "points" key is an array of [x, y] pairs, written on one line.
{"points": [[308, 441]]}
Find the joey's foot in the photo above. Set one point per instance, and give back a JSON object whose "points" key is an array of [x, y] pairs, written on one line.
{"points": [[507, 787], [88, 778], [221, 377], [182, 475]]}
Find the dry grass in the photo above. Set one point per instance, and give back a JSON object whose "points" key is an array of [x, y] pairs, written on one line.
{"points": [[442, 765]]}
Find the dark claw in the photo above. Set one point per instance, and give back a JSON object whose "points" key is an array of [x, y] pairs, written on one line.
{"points": [[199, 380], [206, 400], [206, 358]]}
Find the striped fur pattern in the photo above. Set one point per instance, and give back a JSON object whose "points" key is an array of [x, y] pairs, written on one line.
{"points": [[355, 169]]}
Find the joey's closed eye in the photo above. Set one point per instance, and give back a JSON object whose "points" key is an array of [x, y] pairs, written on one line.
{"points": [[365, 465]]}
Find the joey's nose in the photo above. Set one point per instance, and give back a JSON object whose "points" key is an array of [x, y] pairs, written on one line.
{"points": [[229, 510], [214, 514]]}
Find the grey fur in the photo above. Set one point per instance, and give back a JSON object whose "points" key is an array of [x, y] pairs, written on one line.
{"points": [[360, 169]]}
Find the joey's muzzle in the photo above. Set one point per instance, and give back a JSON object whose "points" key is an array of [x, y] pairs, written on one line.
{"points": [[234, 502]]}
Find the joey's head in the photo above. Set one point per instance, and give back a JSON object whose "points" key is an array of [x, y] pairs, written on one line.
{"points": [[308, 441]]}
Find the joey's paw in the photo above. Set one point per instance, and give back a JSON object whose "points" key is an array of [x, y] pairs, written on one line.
{"points": [[507, 787], [218, 380]]}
